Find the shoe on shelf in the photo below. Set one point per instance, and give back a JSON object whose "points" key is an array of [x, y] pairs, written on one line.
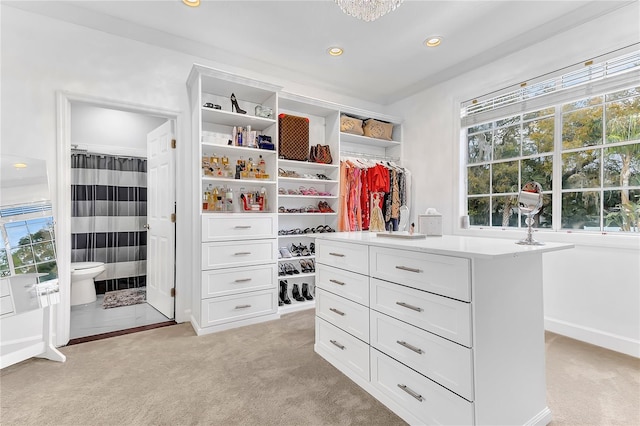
{"points": [[281, 270], [305, 292], [284, 252], [283, 296], [312, 248], [295, 292]]}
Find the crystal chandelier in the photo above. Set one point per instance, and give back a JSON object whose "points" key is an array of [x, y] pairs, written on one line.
{"points": [[368, 10]]}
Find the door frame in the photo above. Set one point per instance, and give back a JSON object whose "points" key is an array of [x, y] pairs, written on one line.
{"points": [[62, 202]]}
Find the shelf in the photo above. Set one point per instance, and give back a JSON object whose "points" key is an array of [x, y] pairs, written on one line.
{"points": [[296, 306], [364, 140], [308, 214], [308, 235], [306, 165], [324, 197], [238, 150], [305, 180], [238, 181], [301, 275], [227, 118], [294, 258]]}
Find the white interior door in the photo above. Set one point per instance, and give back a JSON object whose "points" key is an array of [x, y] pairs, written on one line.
{"points": [[160, 228]]}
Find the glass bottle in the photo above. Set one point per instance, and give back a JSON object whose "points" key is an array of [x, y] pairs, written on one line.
{"points": [[228, 199], [205, 201], [262, 166], [214, 198]]}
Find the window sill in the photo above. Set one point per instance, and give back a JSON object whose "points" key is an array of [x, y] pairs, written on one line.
{"points": [[600, 240]]}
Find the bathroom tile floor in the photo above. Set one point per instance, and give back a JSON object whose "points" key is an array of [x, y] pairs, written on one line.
{"points": [[91, 319]]}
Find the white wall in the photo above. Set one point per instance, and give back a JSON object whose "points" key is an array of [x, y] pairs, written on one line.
{"points": [[110, 131], [591, 293]]}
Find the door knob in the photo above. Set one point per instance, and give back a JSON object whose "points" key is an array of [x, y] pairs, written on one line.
{"points": [[146, 226]]}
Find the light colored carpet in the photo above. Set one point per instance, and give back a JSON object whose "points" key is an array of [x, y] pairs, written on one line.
{"points": [[266, 374]]}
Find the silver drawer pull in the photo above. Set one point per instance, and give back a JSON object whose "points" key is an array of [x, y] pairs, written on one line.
{"points": [[242, 253], [242, 227], [408, 306], [243, 306], [406, 268], [408, 346], [337, 344], [242, 280], [336, 311], [336, 282], [337, 254], [410, 392]]}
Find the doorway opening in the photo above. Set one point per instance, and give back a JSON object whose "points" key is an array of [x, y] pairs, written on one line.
{"points": [[122, 209]]}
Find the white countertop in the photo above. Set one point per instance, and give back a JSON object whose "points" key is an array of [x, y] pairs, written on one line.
{"points": [[449, 245]]}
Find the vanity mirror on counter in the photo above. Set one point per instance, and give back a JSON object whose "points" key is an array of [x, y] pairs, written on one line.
{"points": [[28, 268], [530, 202]]}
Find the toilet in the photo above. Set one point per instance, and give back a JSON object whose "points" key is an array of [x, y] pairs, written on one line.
{"points": [[83, 290]]}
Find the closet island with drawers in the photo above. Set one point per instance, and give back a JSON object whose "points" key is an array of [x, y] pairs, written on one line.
{"points": [[442, 330]]}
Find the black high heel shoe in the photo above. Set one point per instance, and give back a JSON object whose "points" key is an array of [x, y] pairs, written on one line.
{"points": [[305, 292], [234, 105], [295, 292], [283, 296]]}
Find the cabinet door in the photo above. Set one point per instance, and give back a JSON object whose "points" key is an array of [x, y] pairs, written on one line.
{"points": [[443, 361], [347, 284], [220, 310], [349, 316], [445, 275], [218, 227], [223, 282], [352, 257], [429, 402], [445, 317], [342, 349], [226, 254]]}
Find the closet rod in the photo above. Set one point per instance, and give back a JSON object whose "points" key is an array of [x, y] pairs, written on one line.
{"points": [[372, 156]]}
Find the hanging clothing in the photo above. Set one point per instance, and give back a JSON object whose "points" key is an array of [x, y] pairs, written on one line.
{"points": [[359, 180]]}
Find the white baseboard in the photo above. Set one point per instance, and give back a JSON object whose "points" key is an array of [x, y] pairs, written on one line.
{"points": [[596, 337]]}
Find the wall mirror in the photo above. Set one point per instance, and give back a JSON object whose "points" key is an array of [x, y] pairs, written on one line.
{"points": [[530, 202], [28, 266]]}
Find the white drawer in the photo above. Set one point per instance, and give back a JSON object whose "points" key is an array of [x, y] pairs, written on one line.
{"points": [[6, 305], [349, 316], [226, 254], [445, 275], [342, 348], [220, 310], [445, 317], [222, 282], [426, 400], [343, 283], [353, 257], [237, 226], [439, 359], [5, 287]]}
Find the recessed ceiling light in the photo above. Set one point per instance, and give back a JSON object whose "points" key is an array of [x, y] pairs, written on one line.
{"points": [[192, 3], [335, 51], [433, 41], [20, 166]]}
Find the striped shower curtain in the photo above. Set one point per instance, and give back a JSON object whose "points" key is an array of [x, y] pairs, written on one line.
{"points": [[108, 214]]}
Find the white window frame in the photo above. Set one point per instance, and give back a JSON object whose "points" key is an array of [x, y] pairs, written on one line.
{"points": [[600, 84]]}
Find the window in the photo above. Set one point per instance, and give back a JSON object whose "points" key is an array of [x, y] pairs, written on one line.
{"points": [[590, 144], [28, 247]]}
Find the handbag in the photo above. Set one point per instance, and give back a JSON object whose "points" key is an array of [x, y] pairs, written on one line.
{"points": [[320, 154]]}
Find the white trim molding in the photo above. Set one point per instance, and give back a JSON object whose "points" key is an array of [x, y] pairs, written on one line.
{"points": [[600, 338]]}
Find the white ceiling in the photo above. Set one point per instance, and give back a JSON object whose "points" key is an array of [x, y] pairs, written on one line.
{"points": [[384, 60]]}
